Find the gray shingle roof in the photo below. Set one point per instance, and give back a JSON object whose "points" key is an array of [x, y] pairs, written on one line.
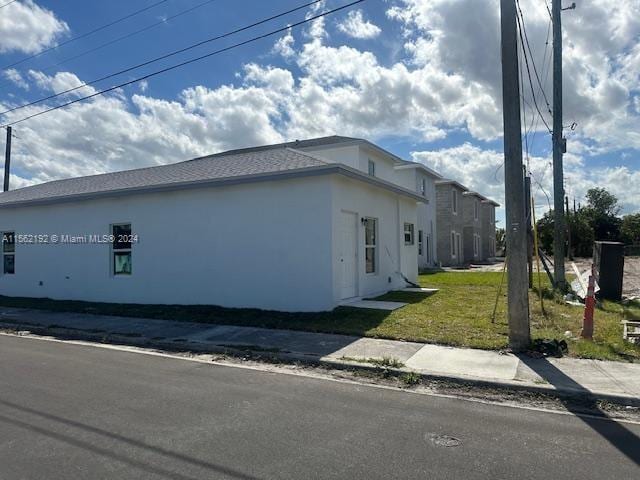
{"points": [[211, 168]]}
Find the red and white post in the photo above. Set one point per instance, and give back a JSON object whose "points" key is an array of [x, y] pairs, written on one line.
{"points": [[589, 307]]}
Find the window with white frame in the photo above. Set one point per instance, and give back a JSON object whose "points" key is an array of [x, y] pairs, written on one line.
{"points": [[370, 244], [420, 249], [121, 248], [9, 253], [423, 187], [453, 244], [408, 234], [458, 243], [476, 244], [454, 201], [476, 209], [372, 168], [428, 247]]}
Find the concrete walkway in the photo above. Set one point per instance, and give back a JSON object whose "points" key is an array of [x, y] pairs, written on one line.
{"points": [[568, 375]]}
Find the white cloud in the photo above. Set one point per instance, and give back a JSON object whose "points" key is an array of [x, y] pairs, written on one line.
{"points": [[284, 46], [354, 25], [61, 82], [601, 58], [26, 27], [15, 77], [143, 85]]}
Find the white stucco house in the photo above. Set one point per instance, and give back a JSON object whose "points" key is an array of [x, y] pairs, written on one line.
{"points": [[300, 226]]}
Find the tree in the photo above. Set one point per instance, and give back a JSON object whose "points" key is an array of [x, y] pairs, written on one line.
{"points": [[582, 236], [545, 232], [602, 202], [601, 211], [630, 229]]}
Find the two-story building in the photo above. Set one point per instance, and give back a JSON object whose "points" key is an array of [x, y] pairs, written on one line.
{"points": [[450, 222], [465, 224]]}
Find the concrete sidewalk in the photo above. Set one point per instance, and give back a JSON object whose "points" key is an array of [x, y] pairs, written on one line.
{"points": [[613, 380]]}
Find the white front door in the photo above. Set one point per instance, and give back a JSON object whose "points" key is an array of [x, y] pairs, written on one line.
{"points": [[347, 254]]}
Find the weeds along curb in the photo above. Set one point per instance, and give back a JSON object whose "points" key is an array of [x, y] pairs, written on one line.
{"points": [[243, 352]]}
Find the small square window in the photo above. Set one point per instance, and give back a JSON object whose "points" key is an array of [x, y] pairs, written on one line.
{"points": [[8, 253], [9, 264], [8, 242], [122, 263]]}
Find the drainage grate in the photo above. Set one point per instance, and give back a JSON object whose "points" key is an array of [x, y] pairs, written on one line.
{"points": [[443, 440]]}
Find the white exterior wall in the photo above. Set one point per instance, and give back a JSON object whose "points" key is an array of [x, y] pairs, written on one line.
{"points": [[411, 178], [264, 245], [393, 255], [348, 155], [427, 222], [358, 156]]}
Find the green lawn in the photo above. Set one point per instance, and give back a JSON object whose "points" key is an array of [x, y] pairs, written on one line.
{"points": [[458, 314]]}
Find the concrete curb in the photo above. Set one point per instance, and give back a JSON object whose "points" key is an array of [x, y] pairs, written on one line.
{"points": [[313, 360]]}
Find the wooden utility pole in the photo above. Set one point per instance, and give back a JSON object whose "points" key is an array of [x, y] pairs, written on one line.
{"points": [[7, 161], [516, 228], [558, 149]]}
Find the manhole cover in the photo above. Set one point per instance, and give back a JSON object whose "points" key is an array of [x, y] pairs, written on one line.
{"points": [[443, 440]]}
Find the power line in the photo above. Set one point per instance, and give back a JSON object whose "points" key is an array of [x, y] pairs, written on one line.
{"points": [[161, 57], [129, 35], [546, 67], [8, 3], [187, 62], [533, 94], [91, 32], [535, 70], [546, 4]]}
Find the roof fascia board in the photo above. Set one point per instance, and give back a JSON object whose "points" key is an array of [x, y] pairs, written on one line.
{"points": [[242, 179]]}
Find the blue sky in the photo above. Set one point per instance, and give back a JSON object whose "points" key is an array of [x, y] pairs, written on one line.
{"points": [[419, 77]]}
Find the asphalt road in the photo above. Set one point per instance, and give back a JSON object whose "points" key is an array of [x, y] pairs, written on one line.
{"points": [[75, 412]]}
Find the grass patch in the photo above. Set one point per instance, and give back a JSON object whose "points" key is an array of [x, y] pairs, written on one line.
{"points": [[410, 378], [459, 314], [384, 362]]}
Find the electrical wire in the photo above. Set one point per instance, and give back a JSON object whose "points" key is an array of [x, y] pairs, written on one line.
{"points": [[533, 94], [84, 35], [161, 57], [8, 3], [128, 35], [187, 62], [533, 63]]}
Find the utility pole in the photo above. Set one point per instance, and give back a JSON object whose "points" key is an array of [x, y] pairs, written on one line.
{"points": [[527, 195], [516, 228], [7, 161], [559, 147]]}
